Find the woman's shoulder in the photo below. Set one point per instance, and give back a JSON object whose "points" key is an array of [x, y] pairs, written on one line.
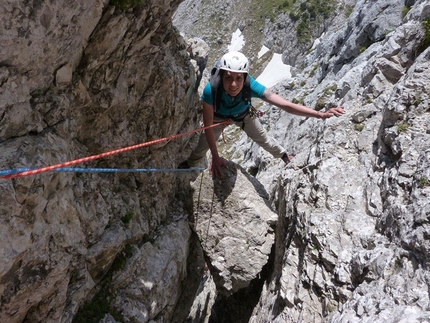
{"points": [[207, 90], [207, 94], [256, 86]]}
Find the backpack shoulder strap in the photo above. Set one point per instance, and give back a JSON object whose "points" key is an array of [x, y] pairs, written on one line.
{"points": [[215, 80], [246, 92]]}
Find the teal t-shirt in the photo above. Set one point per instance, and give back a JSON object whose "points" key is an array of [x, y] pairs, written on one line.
{"points": [[229, 107]]}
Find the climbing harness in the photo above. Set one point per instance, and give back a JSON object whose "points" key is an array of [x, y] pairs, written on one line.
{"points": [[254, 113]]}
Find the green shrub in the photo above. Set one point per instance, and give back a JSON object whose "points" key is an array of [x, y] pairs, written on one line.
{"points": [[298, 101], [349, 10], [423, 182], [285, 6], [402, 127], [309, 14], [330, 89], [405, 11], [359, 127], [321, 103], [294, 17], [425, 42], [312, 73], [303, 32], [127, 218]]}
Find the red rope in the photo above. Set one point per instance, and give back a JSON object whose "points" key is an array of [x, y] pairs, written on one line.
{"points": [[109, 153]]}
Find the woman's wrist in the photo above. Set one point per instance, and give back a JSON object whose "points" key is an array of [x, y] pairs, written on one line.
{"points": [[319, 115]]}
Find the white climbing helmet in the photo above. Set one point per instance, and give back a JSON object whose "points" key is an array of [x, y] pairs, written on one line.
{"points": [[234, 62]]}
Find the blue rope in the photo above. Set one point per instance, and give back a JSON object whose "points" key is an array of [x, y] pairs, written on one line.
{"points": [[102, 170], [13, 171]]}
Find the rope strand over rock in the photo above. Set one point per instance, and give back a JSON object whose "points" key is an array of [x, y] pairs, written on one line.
{"points": [[13, 173]]}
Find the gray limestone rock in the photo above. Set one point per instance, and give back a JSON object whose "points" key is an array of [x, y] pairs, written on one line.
{"points": [[234, 222], [350, 213]]}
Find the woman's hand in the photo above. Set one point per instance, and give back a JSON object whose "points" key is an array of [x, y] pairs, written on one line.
{"points": [[332, 112], [215, 167]]}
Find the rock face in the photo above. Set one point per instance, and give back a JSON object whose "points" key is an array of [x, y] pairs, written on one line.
{"points": [[353, 248], [78, 79], [340, 235], [149, 284], [233, 222], [353, 206]]}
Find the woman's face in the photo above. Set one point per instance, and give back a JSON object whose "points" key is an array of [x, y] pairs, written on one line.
{"points": [[233, 82]]}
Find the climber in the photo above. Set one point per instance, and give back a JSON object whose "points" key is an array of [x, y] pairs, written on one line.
{"points": [[232, 104]]}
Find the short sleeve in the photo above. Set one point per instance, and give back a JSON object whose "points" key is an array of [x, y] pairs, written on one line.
{"points": [[207, 94], [257, 89]]}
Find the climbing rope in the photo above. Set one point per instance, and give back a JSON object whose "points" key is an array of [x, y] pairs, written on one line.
{"points": [[99, 170], [20, 172]]}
